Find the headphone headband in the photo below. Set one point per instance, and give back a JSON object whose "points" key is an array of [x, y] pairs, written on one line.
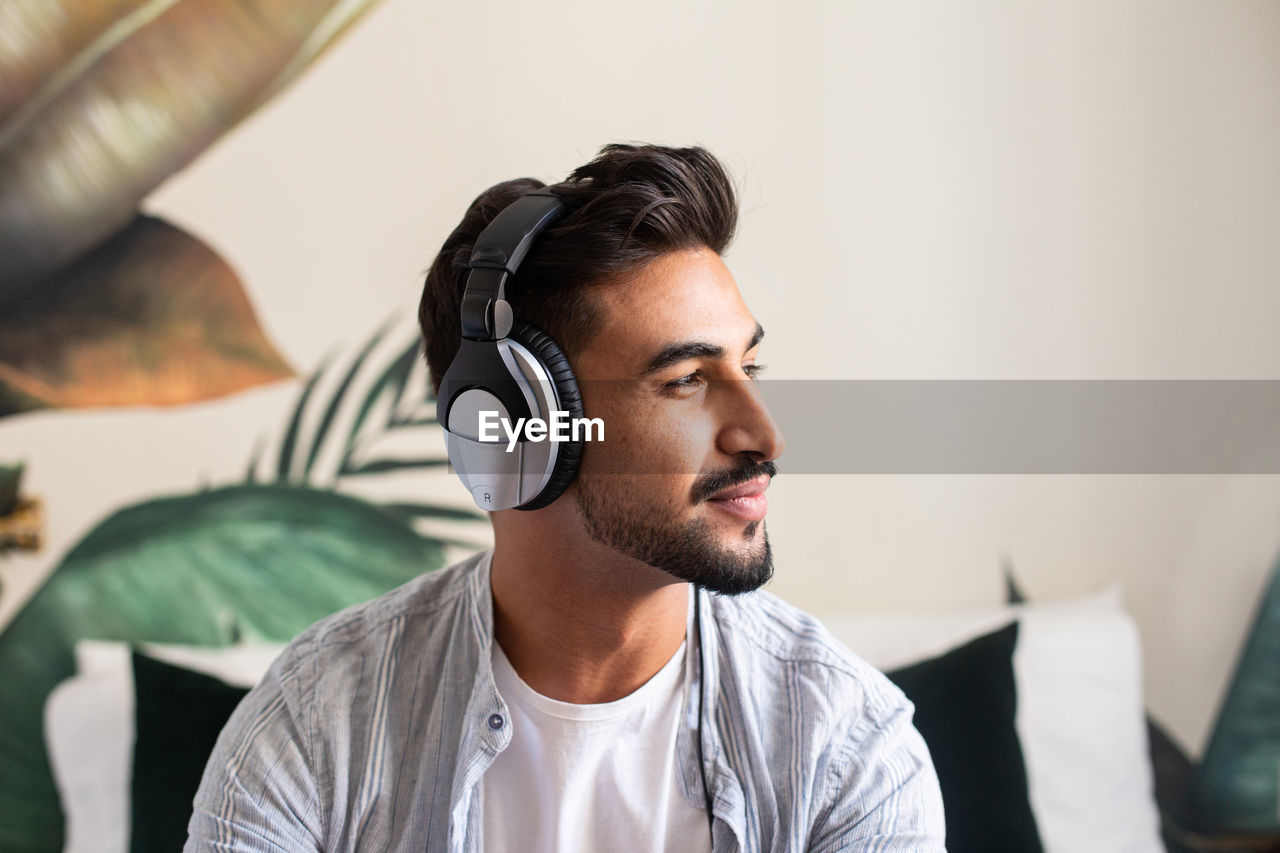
{"points": [[486, 314], [498, 253]]}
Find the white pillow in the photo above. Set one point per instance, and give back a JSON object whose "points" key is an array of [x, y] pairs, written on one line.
{"points": [[89, 731], [1080, 720]]}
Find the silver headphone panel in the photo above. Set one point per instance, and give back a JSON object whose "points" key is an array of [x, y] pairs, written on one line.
{"points": [[499, 479]]}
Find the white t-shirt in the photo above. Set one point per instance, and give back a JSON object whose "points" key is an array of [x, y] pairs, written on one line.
{"points": [[591, 777]]}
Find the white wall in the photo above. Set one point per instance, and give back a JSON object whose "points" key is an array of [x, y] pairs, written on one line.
{"points": [[931, 190]]}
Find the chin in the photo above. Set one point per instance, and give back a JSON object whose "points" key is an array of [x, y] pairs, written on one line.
{"points": [[709, 547]]}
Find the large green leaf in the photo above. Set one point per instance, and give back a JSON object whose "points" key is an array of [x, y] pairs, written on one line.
{"points": [[251, 561]]}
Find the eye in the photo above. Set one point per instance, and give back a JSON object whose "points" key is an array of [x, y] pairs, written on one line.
{"points": [[686, 382], [753, 371]]}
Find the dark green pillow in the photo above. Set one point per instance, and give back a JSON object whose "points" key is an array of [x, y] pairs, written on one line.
{"points": [[178, 715], [965, 705]]}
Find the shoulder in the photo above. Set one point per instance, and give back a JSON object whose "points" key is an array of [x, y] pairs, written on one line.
{"points": [[800, 699], [335, 703], [416, 615], [781, 644]]}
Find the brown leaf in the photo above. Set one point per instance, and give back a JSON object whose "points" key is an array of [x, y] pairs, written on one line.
{"points": [[152, 317]]}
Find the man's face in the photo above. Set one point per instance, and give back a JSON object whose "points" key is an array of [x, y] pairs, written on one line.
{"points": [[689, 446]]}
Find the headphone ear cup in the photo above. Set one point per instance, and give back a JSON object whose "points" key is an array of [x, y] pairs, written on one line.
{"points": [[546, 350]]}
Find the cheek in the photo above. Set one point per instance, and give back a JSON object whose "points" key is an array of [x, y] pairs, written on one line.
{"points": [[657, 440], [675, 444], [684, 438]]}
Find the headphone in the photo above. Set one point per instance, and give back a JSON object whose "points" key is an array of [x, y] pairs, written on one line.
{"points": [[509, 367]]}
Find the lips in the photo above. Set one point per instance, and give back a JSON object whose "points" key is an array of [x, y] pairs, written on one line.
{"points": [[746, 501]]}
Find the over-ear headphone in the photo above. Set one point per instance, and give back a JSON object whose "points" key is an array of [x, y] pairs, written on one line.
{"points": [[509, 367]]}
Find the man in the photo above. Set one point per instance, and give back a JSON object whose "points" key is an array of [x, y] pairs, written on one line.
{"points": [[606, 678]]}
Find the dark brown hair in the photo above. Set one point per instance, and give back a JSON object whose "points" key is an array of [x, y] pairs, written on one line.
{"points": [[626, 208]]}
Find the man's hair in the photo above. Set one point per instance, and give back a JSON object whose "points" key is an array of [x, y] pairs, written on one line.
{"points": [[627, 207]]}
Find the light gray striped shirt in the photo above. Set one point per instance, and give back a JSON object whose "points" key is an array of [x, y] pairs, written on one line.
{"points": [[373, 729]]}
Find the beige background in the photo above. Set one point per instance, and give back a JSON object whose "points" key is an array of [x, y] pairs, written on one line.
{"points": [[969, 189]]}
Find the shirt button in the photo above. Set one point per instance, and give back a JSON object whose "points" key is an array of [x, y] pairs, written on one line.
{"points": [[496, 722]]}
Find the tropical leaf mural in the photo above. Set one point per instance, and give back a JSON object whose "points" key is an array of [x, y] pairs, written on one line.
{"points": [[99, 305], [109, 99], [151, 316], [259, 560], [99, 103]]}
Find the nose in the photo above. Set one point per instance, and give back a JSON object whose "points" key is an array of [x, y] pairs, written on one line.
{"points": [[748, 429]]}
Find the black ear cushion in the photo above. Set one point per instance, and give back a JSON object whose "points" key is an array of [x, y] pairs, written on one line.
{"points": [[544, 349]]}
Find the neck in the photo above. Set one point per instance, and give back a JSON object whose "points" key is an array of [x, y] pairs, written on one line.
{"points": [[581, 622]]}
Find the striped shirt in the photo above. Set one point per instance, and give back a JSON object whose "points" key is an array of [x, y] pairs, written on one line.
{"points": [[373, 729]]}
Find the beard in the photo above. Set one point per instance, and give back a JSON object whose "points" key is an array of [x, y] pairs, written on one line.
{"points": [[616, 516]]}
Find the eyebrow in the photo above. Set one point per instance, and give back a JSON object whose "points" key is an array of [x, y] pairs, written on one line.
{"points": [[676, 353]]}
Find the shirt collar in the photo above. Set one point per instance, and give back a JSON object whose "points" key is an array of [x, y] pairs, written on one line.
{"points": [[727, 796]]}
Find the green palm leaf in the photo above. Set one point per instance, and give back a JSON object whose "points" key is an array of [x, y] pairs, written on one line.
{"points": [[392, 382], [331, 410], [285, 462]]}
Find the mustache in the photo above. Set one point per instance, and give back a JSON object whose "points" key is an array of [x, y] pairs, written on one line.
{"points": [[745, 471]]}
